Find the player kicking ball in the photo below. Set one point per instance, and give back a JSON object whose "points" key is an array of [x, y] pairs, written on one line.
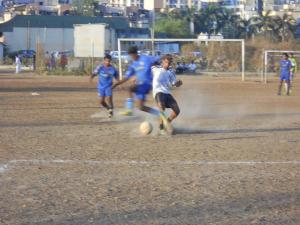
{"points": [[106, 74], [163, 79], [140, 72], [285, 73]]}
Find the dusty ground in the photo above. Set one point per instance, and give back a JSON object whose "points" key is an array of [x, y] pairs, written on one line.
{"points": [[235, 158]]}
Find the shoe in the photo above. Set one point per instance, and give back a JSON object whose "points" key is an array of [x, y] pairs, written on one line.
{"points": [[167, 125], [110, 113], [162, 132], [127, 113]]}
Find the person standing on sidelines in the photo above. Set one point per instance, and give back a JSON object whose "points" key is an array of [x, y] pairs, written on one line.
{"points": [[293, 70], [18, 64]]}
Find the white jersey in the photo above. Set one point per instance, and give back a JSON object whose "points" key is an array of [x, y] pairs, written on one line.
{"points": [[163, 80]]}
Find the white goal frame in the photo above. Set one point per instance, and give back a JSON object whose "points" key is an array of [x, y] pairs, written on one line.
{"points": [[265, 69], [242, 41]]}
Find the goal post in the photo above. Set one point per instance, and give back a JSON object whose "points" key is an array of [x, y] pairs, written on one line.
{"points": [[152, 42], [267, 63]]}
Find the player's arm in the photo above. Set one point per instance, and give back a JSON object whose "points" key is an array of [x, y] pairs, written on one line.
{"points": [[94, 73], [173, 79], [130, 72]]}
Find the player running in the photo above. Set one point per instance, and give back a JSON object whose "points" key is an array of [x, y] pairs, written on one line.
{"points": [[163, 79], [140, 72], [106, 73], [285, 73]]}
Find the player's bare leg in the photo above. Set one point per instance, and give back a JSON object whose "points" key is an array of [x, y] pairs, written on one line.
{"points": [[103, 103], [109, 100], [288, 82], [280, 87]]}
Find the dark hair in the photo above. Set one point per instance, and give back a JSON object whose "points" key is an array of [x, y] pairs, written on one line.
{"points": [[285, 54], [133, 50], [107, 56], [292, 54], [167, 57]]}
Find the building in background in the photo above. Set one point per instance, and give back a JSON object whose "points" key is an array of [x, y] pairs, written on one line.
{"points": [[56, 33], [281, 7], [127, 3]]}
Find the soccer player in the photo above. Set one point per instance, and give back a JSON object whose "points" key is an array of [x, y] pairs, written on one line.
{"points": [[294, 66], [140, 72], [293, 69], [285, 73], [106, 73], [163, 79]]}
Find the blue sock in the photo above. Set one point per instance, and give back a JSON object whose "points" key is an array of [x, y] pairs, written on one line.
{"points": [[129, 104], [154, 112]]}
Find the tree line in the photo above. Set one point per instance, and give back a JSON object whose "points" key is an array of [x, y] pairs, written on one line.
{"points": [[213, 20]]}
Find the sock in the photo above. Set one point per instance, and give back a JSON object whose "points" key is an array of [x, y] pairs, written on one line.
{"points": [[161, 126], [154, 112], [129, 104]]}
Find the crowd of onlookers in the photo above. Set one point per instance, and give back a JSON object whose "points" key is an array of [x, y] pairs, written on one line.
{"points": [[54, 60]]}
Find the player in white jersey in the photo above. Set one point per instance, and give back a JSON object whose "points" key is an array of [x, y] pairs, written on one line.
{"points": [[163, 79]]}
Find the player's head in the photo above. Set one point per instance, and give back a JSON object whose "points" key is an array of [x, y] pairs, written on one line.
{"points": [[166, 61], [107, 60], [292, 55], [133, 52], [285, 56]]}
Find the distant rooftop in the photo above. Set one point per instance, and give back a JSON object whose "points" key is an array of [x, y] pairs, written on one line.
{"points": [[118, 23]]}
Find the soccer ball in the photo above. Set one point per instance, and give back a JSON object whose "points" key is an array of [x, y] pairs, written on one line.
{"points": [[146, 128]]}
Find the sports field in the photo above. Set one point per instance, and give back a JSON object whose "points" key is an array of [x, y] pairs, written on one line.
{"points": [[234, 159]]}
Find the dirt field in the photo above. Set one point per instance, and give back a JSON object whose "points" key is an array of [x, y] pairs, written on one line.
{"points": [[234, 160]]}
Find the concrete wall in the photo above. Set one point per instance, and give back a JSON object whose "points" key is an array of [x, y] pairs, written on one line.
{"points": [[52, 39], [90, 40]]}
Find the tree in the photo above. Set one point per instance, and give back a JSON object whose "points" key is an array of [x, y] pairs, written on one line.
{"points": [[173, 28], [287, 27], [84, 7]]}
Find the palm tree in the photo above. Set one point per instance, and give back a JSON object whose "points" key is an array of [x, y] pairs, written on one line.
{"points": [[267, 24], [189, 15], [287, 26]]}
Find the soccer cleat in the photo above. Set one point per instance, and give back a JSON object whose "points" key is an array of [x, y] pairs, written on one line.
{"points": [[167, 125], [110, 113], [127, 113], [162, 132]]}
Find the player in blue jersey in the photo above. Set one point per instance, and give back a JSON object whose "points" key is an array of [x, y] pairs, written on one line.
{"points": [[106, 74], [140, 72], [285, 73]]}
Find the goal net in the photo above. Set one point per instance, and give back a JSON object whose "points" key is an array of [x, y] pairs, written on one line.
{"points": [[215, 57], [272, 62]]}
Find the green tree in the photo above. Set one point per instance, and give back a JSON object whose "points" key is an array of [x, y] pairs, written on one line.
{"points": [[172, 27], [84, 7]]}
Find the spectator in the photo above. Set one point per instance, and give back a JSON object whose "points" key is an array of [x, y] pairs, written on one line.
{"points": [[52, 62], [192, 67], [179, 68], [18, 64], [48, 61], [63, 61]]}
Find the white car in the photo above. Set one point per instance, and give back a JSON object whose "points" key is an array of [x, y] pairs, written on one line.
{"points": [[124, 56]]}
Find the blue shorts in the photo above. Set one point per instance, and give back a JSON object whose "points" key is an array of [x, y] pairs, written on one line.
{"points": [[105, 92], [141, 90], [285, 77]]}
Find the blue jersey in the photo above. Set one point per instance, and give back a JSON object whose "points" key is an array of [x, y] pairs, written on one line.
{"points": [[106, 76], [285, 67], [141, 68]]}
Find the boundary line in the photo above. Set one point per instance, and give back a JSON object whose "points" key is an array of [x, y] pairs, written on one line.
{"points": [[5, 167]]}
